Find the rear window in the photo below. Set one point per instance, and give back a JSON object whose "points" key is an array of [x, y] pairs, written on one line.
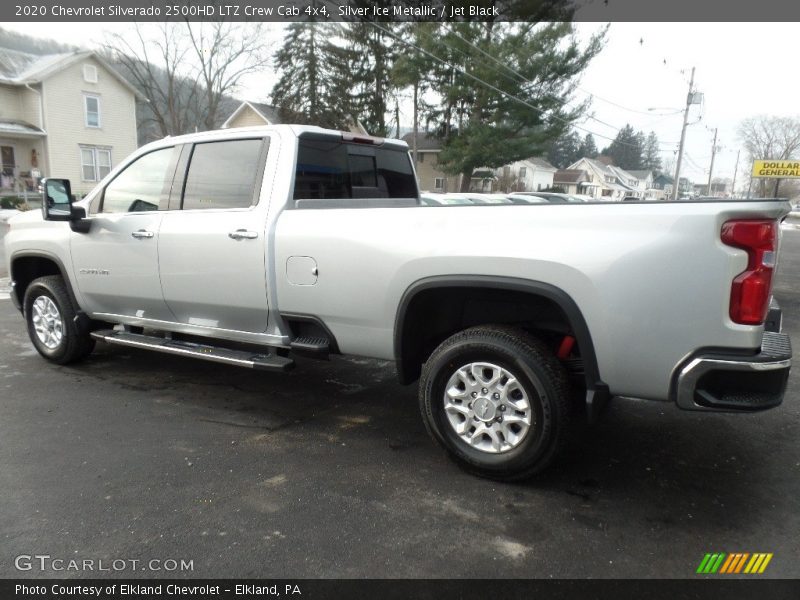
{"points": [[336, 170]]}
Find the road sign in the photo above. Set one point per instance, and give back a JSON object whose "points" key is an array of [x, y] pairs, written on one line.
{"points": [[782, 169]]}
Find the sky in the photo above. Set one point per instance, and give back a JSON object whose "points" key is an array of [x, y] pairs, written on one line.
{"points": [[742, 69]]}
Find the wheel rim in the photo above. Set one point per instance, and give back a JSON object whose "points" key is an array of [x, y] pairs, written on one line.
{"points": [[47, 322], [487, 407]]}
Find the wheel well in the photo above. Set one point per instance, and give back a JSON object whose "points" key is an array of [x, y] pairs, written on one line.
{"points": [[433, 313], [27, 268]]}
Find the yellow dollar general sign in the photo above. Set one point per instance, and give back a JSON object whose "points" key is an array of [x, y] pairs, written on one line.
{"points": [[734, 563], [785, 169]]}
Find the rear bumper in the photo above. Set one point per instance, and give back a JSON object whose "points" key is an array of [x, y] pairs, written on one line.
{"points": [[717, 381]]}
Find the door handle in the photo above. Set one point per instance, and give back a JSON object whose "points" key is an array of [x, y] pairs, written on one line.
{"points": [[243, 234], [142, 234]]}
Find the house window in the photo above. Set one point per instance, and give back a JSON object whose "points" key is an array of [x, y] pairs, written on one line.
{"points": [[420, 157], [92, 106], [522, 171], [438, 183], [90, 73], [95, 163]]}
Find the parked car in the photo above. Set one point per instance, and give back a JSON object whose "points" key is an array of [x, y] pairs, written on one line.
{"points": [[272, 242], [518, 198]]}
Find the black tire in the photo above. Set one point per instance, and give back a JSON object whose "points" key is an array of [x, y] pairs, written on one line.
{"points": [[542, 379], [75, 342]]}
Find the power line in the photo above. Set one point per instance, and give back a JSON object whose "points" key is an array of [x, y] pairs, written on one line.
{"points": [[525, 80], [494, 88]]}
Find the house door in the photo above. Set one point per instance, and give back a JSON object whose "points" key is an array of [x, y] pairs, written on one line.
{"points": [[7, 166]]}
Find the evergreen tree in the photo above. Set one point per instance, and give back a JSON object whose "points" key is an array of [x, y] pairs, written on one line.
{"points": [[484, 127], [588, 148], [626, 149], [373, 53], [652, 153], [314, 83], [565, 150]]}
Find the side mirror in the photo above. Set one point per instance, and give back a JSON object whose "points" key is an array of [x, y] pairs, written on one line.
{"points": [[57, 202]]}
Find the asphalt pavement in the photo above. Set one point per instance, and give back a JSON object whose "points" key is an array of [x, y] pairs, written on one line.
{"points": [[328, 472]]}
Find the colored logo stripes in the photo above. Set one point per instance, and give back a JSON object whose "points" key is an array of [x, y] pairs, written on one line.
{"points": [[737, 562]]}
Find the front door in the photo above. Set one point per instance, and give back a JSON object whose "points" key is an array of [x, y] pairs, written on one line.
{"points": [[213, 251], [116, 263], [8, 164]]}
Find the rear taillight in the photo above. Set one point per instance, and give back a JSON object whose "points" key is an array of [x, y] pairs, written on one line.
{"points": [[750, 290]]}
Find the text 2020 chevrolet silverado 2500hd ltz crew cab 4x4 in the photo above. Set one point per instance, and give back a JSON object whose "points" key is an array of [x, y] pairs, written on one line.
{"points": [[246, 246]]}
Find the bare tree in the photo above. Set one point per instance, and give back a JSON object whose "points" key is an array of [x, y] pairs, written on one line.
{"points": [[769, 137], [225, 53], [153, 58], [187, 70]]}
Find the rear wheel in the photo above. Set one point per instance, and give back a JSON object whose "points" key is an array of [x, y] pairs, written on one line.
{"points": [[497, 400], [52, 325]]}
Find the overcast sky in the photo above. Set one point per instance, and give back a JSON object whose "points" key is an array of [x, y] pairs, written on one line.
{"points": [[743, 69]]}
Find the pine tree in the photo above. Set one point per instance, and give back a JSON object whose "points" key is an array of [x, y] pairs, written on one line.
{"points": [[484, 127], [372, 52], [626, 149], [652, 153], [565, 150], [313, 87], [588, 148]]}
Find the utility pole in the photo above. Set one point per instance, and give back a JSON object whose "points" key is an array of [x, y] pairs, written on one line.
{"points": [[735, 172], [683, 138], [711, 168]]}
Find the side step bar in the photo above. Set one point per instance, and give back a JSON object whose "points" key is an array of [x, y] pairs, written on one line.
{"points": [[265, 361], [315, 347]]}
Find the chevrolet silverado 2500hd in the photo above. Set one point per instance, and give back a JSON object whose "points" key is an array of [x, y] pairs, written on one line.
{"points": [[249, 246]]}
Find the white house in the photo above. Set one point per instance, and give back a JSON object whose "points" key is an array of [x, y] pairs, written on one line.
{"points": [[606, 182], [65, 115], [528, 175]]}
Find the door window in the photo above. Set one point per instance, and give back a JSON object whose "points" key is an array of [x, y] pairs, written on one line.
{"points": [[223, 174], [142, 185]]}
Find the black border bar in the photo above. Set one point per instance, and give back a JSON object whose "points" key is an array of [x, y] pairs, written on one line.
{"points": [[702, 588]]}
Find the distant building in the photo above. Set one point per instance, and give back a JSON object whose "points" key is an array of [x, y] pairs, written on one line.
{"points": [[255, 114], [646, 186], [663, 184], [572, 181], [606, 182], [430, 176], [528, 175], [65, 115]]}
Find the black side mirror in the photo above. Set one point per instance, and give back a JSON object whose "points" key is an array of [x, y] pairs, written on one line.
{"points": [[57, 205]]}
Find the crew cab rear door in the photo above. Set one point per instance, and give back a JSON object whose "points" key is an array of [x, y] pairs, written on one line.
{"points": [[212, 247]]}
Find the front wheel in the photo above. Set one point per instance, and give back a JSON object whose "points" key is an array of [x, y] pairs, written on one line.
{"points": [[497, 400], [52, 326]]}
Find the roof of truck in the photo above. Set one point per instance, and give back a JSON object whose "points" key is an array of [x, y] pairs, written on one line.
{"points": [[296, 130]]}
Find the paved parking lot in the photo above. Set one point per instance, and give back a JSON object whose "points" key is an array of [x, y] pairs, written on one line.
{"points": [[328, 472]]}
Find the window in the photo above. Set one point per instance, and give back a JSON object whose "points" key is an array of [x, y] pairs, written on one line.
{"points": [[95, 163], [438, 183], [331, 169], [420, 157], [92, 106], [142, 184], [522, 171], [222, 174], [90, 73]]}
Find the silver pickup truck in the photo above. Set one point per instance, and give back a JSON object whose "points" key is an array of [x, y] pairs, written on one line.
{"points": [[251, 246]]}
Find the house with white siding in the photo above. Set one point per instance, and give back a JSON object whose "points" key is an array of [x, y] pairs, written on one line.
{"points": [[67, 115], [528, 175], [606, 182]]}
